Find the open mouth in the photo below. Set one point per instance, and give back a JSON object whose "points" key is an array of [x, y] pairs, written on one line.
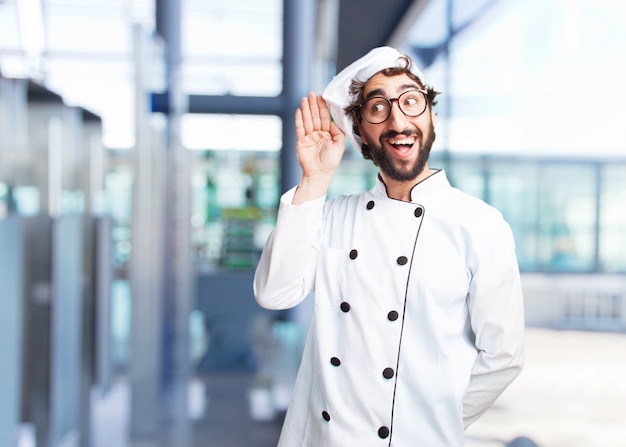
{"points": [[402, 145]]}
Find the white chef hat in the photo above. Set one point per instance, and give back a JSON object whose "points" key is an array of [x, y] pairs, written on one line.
{"points": [[337, 93]]}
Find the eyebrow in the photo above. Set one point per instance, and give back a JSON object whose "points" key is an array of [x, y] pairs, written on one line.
{"points": [[381, 92]]}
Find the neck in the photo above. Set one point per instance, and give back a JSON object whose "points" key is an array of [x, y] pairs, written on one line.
{"points": [[401, 190]]}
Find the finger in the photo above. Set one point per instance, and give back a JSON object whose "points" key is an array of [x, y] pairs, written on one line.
{"points": [[315, 111], [299, 124], [325, 119], [307, 121]]}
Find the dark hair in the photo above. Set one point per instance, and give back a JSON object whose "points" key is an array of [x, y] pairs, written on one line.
{"points": [[357, 88]]}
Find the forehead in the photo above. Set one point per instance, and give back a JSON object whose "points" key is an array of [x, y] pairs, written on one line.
{"points": [[380, 84]]}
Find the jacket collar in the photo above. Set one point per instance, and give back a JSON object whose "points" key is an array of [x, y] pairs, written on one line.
{"points": [[422, 191]]}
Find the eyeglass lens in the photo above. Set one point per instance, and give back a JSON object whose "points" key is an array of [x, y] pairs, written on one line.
{"points": [[378, 108]]}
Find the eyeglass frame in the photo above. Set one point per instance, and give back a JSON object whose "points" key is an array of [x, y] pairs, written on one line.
{"points": [[390, 101]]}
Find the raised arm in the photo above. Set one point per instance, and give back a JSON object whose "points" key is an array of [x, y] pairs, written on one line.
{"points": [[320, 146], [284, 275]]}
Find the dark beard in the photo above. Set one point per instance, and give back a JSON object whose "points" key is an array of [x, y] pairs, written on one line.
{"points": [[403, 172]]}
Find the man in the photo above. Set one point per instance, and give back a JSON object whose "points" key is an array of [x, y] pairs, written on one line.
{"points": [[418, 322]]}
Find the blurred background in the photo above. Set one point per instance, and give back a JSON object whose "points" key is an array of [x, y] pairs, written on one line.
{"points": [[144, 146]]}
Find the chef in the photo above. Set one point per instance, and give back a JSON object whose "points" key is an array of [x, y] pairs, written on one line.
{"points": [[418, 323]]}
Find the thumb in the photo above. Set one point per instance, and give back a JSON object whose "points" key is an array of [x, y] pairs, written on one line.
{"points": [[336, 132]]}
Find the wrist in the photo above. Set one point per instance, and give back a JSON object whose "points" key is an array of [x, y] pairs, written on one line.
{"points": [[311, 188]]}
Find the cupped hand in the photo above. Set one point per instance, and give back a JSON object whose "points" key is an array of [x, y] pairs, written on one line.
{"points": [[319, 142]]}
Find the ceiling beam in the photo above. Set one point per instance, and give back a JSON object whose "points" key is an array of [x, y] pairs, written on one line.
{"points": [[365, 24]]}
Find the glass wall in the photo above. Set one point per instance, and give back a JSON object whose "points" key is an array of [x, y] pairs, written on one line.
{"points": [[235, 186], [612, 225], [234, 200], [566, 220], [566, 215]]}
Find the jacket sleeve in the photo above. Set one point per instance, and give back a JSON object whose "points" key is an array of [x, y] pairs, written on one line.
{"points": [[285, 273], [497, 318]]}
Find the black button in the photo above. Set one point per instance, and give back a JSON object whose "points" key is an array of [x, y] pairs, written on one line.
{"points": [[353, 254], [383, 432], [402, 260], [326, 416], [392, 316], [370, 204], [388, 373], [345, 307], [335, 361], [419, 212]]}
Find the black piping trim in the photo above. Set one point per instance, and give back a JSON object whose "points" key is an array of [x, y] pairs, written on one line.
{"points": [[406, 294]]}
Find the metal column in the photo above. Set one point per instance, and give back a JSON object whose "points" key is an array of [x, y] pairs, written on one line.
{"points": [[12, 280], [298, 54], [177, 268], [161, 267], [145, 359]]}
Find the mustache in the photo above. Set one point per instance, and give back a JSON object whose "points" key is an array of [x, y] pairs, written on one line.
{"points": [[391, 134]]}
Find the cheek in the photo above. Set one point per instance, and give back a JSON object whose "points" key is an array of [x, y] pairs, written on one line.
{"points": [[367, 137]]}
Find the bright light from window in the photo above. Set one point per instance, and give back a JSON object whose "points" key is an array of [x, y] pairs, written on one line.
{"points": [[530, 77], [31, 22], [231, 132]]}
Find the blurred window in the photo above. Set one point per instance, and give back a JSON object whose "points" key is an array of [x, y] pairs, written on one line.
{"points": [[232, 47], [566, 216], [612, 236], [566, 219], [234, 199], [514, 188], [518, 76]]}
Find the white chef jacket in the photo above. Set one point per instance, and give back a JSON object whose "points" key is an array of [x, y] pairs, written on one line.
{"points": [[418, 322]]}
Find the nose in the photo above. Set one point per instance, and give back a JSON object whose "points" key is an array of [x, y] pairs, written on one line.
{"points": [[397, 119]]}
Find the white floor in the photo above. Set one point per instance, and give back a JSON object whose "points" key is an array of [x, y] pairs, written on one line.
{"points": [[110, 417], [572, 393]]}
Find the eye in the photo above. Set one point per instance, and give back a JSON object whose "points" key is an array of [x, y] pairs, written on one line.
{"points": [[377, 106], [411, 100]]}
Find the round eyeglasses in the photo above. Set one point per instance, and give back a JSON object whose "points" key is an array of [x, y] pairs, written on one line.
{"points": [[377, 109]]}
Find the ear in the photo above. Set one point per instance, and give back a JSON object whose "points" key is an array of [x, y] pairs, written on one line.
{"points": [[433, 117]]}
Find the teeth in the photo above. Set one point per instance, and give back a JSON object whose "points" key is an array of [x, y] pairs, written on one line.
{"points": [[407, 141]]}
